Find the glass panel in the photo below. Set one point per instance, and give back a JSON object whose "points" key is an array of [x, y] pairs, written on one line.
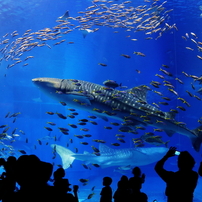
{"points": [[127, 87]]}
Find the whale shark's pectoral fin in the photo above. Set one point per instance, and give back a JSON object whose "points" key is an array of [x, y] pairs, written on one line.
{"points": [[169, 132], [81, 97]]}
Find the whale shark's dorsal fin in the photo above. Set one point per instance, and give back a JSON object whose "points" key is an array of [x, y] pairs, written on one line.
{"points": [[140, 92], [104, 149]]}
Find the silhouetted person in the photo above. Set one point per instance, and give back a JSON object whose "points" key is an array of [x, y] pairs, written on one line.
{"points": [[135, 185], [180, 185], [122, 193], [106, 192], [59, 174], [32, 175], [137, 180], [62, 187], [8, 179]]}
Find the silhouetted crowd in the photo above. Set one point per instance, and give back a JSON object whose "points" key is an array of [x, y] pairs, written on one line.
{"points": [[32, 176]]}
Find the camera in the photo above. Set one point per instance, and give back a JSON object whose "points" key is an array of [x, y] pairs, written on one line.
{"points": [[177, 153]]}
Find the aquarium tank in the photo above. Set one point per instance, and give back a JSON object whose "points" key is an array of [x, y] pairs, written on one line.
{"points": [[101, 86]]}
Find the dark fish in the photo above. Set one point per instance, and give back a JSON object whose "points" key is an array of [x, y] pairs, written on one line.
{"points": [[85, 166], [82, 123], [5, 130], [79, 136], [121, 140], [14, 120], [182, 108], [14, 114], [72, 110], [166, 66], [48, 128], [102, 64], [14, 131], [7, 115], [51, 123], [115, 144], [50, 113], [87, 135], [115, 124], [95, 149], [125, 129], [108, 127], [93, 122], [71, 116], [22, 132], [165, 72], [84, 129], [61, 115], [22, 151], [83, 180], [63, 129], [99, 141], [3, 126], [96, 165], [111, 83], [83, 120], [63, 103], [84, 143], [126, 56], [90, 195], [72, 125]]}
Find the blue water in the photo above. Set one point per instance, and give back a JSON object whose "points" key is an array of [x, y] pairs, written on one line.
{"points": [[80, 59]]}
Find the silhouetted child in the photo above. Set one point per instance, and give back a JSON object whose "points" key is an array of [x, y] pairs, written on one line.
{"points": [[62, 189], [122, 193], [135, 182], [180, 185], [106, 193]]}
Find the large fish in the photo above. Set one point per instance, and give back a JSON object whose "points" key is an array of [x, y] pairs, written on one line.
{"points": [[107, 102], [112, 157]]}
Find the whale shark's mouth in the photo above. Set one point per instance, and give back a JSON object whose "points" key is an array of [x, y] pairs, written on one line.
{"points": [[51, 83]]}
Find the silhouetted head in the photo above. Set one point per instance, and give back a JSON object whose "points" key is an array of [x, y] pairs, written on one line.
{"points": [[59, 173], [11, 159], [30, 170], [136, 171], [185, 161], [107, 181], [124, 178]]}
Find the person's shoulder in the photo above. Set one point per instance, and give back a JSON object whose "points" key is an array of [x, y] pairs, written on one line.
{"points": [[195, 173]]}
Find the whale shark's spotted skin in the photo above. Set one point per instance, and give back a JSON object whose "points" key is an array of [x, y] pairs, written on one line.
{"points": [[130, 106]]}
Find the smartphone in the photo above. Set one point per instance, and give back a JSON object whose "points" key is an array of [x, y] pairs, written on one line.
{"points": [[177, 153]]}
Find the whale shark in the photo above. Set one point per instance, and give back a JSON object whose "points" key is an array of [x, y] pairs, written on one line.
{"points": [[130, 106], [122, 158]]}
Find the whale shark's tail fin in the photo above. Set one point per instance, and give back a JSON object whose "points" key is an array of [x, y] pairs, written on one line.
{"points": [[65, 154], [196, 141]]}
